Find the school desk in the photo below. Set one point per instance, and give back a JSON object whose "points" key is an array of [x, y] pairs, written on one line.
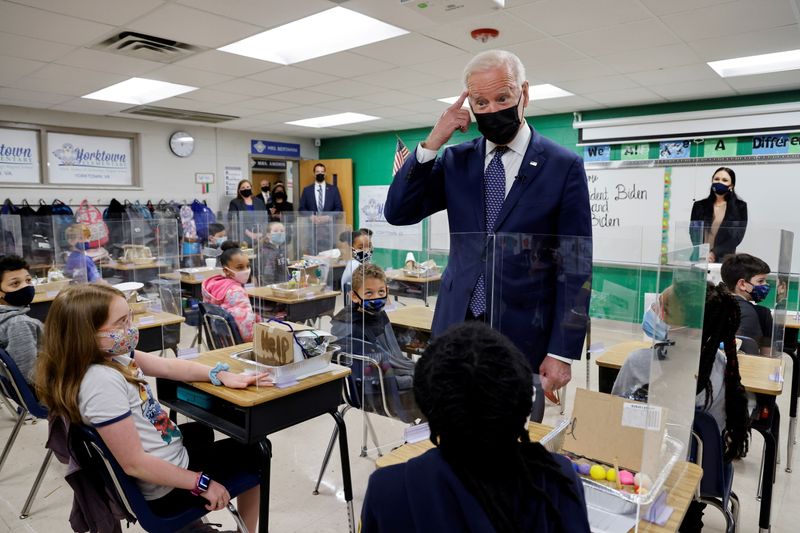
{"points": [[412, 287], [251, 415], [297, 309], [133, 272], [792, 322], [755, 371], [681, 483], [150, 332], [412, 327]]}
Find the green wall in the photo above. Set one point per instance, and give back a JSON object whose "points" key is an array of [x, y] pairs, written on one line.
{"points": [[373, 156]]}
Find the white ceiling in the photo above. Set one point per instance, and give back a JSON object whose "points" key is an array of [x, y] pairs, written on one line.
{"points": [[610, 53]]}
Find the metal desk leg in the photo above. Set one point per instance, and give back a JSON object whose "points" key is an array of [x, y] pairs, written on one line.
{"points": [[346, 479], [792, 412], [770, 434], [263, 510]]}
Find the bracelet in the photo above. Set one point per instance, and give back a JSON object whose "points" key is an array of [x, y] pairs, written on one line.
{"points": [[212, 374], [201, 485]]}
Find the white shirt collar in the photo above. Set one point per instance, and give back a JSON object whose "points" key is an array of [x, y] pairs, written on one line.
{"points": [[519, 144]]}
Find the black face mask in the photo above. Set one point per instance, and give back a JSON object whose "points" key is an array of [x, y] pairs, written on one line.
{"points": [[279, 196], [501, 126], [20, 297], [246, 193], [319, 177]]}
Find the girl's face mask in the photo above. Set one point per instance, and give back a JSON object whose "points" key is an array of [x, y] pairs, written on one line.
{"points": [[654, 327], [121, 341], [240, 275]]}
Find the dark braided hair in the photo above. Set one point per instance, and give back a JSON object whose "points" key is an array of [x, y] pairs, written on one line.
{"points": [[229, 249], [475, 388], [720, 323]]}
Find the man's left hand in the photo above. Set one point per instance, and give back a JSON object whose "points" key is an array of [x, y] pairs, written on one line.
{"points": [[554, 374]]}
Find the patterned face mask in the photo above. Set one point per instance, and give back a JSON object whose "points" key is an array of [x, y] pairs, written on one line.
{"points": [[124, 340]]}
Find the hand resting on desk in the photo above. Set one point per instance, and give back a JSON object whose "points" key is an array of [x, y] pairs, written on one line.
{"points": [[244, 380]]}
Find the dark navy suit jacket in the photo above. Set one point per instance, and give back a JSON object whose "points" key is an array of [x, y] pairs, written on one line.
{"points": [[333, 201], [537, 259]]}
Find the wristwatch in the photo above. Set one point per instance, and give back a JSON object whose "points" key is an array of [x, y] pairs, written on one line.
{"points": [[202, 484]]}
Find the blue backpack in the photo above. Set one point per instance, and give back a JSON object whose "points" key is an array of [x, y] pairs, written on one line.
{"points": [[203, 216]]}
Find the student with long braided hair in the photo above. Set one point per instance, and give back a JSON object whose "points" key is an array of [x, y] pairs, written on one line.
{"points": [[475, 387]]}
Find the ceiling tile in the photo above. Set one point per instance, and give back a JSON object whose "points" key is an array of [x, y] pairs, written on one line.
{"points": [[512, 30], [441, 89], [625, 97], [249, 87], [689, 90], [354, 105], [777, 81], [407, 49], [562, 17], [13, 68], [653, 78], [399, 78], [115, 12], [278, 12], [214, 97], [601, 83], [643, 59], [731, 19], [748, 44], [69, 80], [389, 97], [567, 104], [36, 49], [620, 38], [108, 62], [451, 68], [33, 96], [426, 106], [346, 88], [23, 103], [192, 26], [659, 7], [544, 52], [292, 77], [388, 111], [187, 76], [345, 65], [92, 107], [302, 96], [267, 104], [30, 22], [225, 63], [581, 69]]}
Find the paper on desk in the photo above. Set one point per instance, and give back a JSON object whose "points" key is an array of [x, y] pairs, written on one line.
{"points": [[659, 512], [603, 521], [596, 347], [776, 375]]}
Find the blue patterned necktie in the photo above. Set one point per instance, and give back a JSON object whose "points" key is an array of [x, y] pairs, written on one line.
{"points": [[495, 186]]}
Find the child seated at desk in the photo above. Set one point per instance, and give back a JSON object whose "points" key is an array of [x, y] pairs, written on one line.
{"points": [[474, 386], [227, 289], [366, 328], [719, 384], [20, 335], [272, 256], [361, 248], [80, 266], [746, 277], [91, 373], [216, 235]]}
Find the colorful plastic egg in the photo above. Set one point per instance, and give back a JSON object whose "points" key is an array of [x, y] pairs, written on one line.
{"points": [[583, 469], [611, 475], [625, 477], [597, 472], [642, 481]]}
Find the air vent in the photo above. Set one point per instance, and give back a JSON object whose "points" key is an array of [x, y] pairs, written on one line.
{"points": [[178, 114], [146, 47]]}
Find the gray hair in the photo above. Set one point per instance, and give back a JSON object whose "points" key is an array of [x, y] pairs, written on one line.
{"points": [[496, 59]]}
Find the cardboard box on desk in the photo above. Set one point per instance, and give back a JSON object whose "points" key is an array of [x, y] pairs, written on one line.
{"points": [[609, 428], [274, 344]]}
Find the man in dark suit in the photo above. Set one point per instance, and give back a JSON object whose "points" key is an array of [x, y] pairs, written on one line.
{"points": [[321, 197], [520, 222]]}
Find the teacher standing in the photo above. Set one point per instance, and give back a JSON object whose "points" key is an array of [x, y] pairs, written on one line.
{"points": [[720, 220], [531, 282], [246, 224]]}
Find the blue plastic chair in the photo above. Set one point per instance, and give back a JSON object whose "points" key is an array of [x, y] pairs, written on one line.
{"points": [[220, 327], [132, 499], [14, 387], [716, 484]]}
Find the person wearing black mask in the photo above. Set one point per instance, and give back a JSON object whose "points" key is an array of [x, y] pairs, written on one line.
{"points": [[245, 201], [243, 218], [280, 203], [720, 220], [20, 335], [513, 180], [321, 197]]}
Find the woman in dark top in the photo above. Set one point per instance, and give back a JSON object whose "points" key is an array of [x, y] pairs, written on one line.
{"points": [[720, 219], [245, 201], [242, 214], [279, 202], [484, 475]]}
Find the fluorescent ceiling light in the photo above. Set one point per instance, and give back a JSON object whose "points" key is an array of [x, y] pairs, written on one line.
{"points": [[538, 92], [333, 120], [760, 64], [318, 35], [139, 91]]}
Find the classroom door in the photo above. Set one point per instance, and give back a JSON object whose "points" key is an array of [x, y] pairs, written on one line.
{"points": [[338, 172]]}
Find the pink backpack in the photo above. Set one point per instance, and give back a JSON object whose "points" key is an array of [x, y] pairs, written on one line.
{"points": [[90, 216]]}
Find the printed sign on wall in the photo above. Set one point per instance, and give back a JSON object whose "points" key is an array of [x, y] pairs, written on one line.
{"points": [[89, 159], [371, 200], [19, 156]]}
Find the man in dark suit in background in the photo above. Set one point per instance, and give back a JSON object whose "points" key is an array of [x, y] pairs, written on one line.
{"points": [[520, 223], [321, 197]]}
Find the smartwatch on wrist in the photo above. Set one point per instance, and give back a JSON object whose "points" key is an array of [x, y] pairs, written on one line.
{"points": [[203, 481]]}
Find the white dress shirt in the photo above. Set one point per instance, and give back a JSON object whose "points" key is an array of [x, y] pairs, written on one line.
{"points": [[512, 160]]}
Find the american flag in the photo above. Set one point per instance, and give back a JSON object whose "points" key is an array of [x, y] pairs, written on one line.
{"points": [[400, 156]]}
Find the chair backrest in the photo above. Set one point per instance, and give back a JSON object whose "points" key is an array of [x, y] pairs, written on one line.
{"points": [[708, 453], [220, 326], [14, 387], [749, 345]]}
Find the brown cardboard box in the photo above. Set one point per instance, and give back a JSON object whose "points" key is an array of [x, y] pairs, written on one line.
{"points": [[274, 345], [604, 429]]}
